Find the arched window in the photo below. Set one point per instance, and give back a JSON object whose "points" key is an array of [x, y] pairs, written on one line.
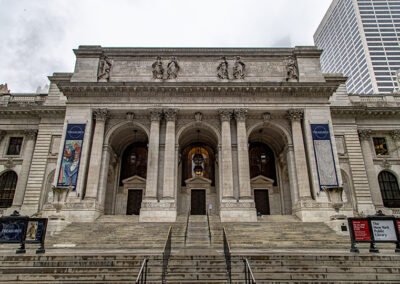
{"points": [[389, 189], [8, 183]]}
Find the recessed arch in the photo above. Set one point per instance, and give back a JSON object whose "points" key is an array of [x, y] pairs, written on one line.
{"points": [[213, 138]]}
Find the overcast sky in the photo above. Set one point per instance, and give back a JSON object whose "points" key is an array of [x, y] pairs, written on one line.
{"points": [[37, 37]]}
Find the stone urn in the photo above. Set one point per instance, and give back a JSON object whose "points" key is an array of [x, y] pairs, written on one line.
{"points": [[335, 197], [60, 197]]}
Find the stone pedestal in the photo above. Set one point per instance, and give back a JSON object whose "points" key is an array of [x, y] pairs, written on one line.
{"points": [[158, 211], [238, 211]]}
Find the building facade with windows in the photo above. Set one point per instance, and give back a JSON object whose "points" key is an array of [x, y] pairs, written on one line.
{"points": [[161, 132], [361, 39]]}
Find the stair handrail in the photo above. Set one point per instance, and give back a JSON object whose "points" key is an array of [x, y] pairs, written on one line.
{"points": [[227, 253], [142, 276], [187, 225], [166, 254], [209, 228], [248, 273]]}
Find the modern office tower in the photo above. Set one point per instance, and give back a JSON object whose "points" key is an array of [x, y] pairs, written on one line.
{"points": [[361, 39]]}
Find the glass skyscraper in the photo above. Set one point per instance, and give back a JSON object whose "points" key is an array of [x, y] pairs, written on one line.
{"points": [[361, 39]]}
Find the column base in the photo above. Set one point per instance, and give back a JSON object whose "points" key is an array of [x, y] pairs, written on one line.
{"points": [[77, 210], [238, 211], [158, 211]]}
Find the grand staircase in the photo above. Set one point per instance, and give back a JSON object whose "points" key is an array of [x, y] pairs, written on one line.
{"points": [[280, 249]]}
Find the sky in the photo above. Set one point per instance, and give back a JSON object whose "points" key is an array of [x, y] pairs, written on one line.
{"points": [[37, 37]]}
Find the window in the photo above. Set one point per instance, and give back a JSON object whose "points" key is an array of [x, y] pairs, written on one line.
{"points": [[8, 183], [380, 146], [389, 189], [14, 147]]}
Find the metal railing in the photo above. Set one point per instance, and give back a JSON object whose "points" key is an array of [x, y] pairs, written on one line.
{"points": [[227, 253], [248, 274], [166, 254], [209, 228], [187, 226], [142, 276]]}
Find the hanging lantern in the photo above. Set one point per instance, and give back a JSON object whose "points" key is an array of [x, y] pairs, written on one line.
{"points": [[198, 159], [198, 170]]}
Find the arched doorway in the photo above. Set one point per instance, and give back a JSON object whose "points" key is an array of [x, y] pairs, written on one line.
{"points": [[389, 189], [127, 170], [269, 171], [8, 183], [198, 171]]}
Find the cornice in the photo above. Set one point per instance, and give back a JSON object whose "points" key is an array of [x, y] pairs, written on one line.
{"points": [[364, 111], [96, 50], [196, 89], [35, 112]]}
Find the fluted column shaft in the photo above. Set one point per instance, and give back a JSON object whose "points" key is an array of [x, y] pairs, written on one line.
{"points": [[226, 147], [169, 155], [153, 152], [303, 183], [367, 152], [243, 154], [100, 116], [29, 145]]}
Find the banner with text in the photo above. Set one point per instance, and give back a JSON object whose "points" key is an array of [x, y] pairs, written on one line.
{"points": [[326, 168], [71, 155]]}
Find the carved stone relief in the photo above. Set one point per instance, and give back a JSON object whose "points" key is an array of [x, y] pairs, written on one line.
{"points": [[104, 70], [292, 71], [173, 69], [239, 69], [222, 69], [158, 69]]}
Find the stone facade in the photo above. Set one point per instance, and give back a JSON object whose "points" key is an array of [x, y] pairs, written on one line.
{"points": [[145, 111]]}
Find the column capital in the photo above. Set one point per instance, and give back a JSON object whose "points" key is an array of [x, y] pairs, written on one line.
{"points": [[240, 114], [364, 134], [395, 134], [170, 114], [225, 114], [295, 114], [30, 133], [155, 114], [100, 114]]}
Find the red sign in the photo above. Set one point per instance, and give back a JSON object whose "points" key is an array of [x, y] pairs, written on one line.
{"points": [[361, 230], [398, 225]]}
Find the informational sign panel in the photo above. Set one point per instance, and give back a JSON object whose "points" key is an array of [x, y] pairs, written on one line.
{"points": [[361, 230], [324, 155], [12, 231], [384, 230], [71, 155], [36, 230]]}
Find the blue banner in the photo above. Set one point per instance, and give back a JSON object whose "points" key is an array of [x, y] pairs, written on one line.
{"points": [[324, 158], [71, 155], [11, 231]]}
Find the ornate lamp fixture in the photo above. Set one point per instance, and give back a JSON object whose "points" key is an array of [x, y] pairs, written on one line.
{"points": [[133, 155], [198, 159]]}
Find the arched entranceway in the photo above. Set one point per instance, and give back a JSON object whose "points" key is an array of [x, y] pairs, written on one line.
{"points": [[198, 170], [269, 170], [127, 170]]}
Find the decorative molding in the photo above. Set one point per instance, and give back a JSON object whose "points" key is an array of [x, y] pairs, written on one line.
{"points": [[198, 116], [155, 114], [295, 114], [9, 164], [101, 114], [365, 111], [395, 134], [239, 69], [240, 114], [364, 134], [266, 117], [225, 114], [386, 164], [130, 116], [170, 114], [30, 133]]}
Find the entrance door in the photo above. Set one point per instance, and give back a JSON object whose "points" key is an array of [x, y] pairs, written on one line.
{"points": [[134, 202], [198, 202], [262, 201]]}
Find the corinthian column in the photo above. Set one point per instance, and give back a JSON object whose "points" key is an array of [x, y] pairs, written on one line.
{"points": [[227, 178], [295, 116], [243, 154], [100, 115], [29, 145], [169, 155], [367, 152], [152, 160]]}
